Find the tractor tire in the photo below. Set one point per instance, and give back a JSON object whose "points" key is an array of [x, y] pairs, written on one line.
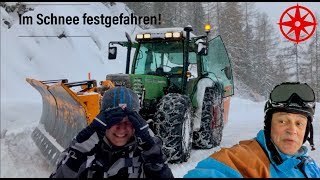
{"points": [[173, 124], [211, 127]]}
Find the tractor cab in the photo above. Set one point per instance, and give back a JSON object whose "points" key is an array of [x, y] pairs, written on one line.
{"points": [[162, 54]]}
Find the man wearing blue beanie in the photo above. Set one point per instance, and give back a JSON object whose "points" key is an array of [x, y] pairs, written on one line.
{"points": [[118, 143]]}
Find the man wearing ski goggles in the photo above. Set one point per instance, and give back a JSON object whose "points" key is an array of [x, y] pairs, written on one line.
{"points": [[277, 151], [293, 98]]}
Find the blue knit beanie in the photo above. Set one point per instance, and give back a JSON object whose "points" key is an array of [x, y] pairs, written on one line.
{"points": [[120, 96]]}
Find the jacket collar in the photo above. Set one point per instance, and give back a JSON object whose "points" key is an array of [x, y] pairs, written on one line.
{"points": [[288, 160]]}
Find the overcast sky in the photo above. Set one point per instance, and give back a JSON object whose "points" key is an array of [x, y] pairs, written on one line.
{"points": [[275, 9]]}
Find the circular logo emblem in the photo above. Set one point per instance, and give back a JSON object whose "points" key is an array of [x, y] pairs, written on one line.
{"points": [[297, 23]]}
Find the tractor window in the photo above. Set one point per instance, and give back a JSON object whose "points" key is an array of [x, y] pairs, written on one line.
{"points": [[218, 63], [192, 58], [159, 57]]}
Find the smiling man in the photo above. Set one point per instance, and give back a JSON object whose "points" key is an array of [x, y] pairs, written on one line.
{"points": [[120, 133], [117, 144], [277, 151]]}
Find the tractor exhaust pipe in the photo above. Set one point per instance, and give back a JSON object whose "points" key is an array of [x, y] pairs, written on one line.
{"points": [[188, 29], [128, 53]]}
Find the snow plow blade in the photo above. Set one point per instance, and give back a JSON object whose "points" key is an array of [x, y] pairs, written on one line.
{"points": [[63, 116]]}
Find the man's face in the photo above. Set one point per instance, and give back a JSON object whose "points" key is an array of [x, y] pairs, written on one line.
{"points": [[120, 133], [287, 131]]}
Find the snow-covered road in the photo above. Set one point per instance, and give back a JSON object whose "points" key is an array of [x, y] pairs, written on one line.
{"points": [[20, 156]]}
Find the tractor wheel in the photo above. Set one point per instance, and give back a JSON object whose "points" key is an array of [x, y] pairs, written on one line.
{"points": [[172, 123], [211, 127]]}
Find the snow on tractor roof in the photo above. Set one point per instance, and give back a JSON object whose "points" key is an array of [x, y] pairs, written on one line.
{"points": [[164, 30]]}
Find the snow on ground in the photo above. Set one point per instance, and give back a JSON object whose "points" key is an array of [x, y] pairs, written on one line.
{"points": [[245, 120], [73, 58], [21, 158]]}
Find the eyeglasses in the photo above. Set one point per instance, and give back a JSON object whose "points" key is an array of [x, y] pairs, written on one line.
{"points": [[284, 92]]}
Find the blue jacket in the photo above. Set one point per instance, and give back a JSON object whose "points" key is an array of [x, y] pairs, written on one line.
{"points": [[251, 158]]}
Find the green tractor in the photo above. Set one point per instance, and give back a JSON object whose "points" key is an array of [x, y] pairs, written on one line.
{"points": [[184, 83]]}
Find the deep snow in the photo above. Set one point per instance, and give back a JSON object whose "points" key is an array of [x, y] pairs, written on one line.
{"points": [[21, 158]]}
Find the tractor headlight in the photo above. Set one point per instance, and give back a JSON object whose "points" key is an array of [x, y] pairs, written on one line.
{"points": [[139, 36], [176, 34], [168, 35], [172, 35], [146, 36]]}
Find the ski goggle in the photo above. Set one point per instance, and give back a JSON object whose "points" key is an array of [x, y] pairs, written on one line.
{"points": [[284, 92]]}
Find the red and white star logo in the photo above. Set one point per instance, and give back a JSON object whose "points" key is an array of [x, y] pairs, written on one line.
{"points": [[300, 25]]}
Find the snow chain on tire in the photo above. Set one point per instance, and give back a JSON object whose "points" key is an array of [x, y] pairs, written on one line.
{"points": [[173, 124], [211, 127]]}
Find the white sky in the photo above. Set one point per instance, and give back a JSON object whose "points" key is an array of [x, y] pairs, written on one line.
{"points": [[275, 9], [72, 58]]}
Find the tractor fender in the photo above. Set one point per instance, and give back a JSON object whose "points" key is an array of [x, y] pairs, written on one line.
{"points": [[198, 96]]}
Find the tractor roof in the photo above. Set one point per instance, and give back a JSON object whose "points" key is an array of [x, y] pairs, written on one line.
{"points": [[164, 30]]}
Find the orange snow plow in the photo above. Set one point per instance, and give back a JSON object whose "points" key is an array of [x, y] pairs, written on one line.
{"points": [[65, 112]]}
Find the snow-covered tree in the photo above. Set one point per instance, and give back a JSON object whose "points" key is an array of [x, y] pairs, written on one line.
{"points": [[314, 58], [249, 17], [196, 17], [233, 35], [264, 55]]}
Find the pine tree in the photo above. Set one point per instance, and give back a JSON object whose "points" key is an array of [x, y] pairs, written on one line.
{"points": [[142, 9], [264, 55], [196, 17], [314, 58], [304, 63], [288, 53], [166, 12], [249, 14], [232, 33]]}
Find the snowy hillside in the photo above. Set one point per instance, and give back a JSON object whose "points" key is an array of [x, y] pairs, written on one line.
{"points": [[46, 58], [73, 58], [53, 58]]}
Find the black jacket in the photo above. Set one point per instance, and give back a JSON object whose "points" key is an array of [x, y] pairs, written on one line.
{"points": [[89, 156]]}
